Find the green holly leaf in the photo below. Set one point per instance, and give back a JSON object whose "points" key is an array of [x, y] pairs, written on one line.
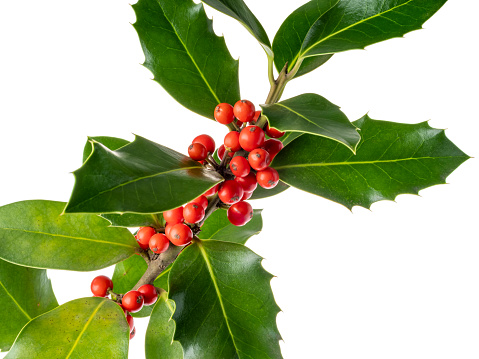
{"points": [[292, 33], [260, 192], [34, 234], [87, 328], [238, 10], [141, 177], [25, 293], [313, 114], [218, 227], [130, 220], [224, 304], [392, 158], [112, 143], [184, 54], [159, 342]]}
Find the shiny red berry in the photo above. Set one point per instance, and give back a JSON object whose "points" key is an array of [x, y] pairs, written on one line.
{"points": [[149, 293], [224, 113], [193, 213], [247, 195], [249, 183], [240, 213], [100, 286], [174, 216], [273, 147], [251, 137], [230, 192], [168, 229], [159, 243], [232, 141], [221, 152], [240, 166], [181, 234], [197, 152], [257, 114], [212, 190], [143, 236], [273, 132], [131, 322], [132, 301], [207, 141], [132, 334], [244, 110], [267, 178], [259, 159], [202, 201]]}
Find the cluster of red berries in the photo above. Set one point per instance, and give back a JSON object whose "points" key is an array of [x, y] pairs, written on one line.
{"points": [[131, 302], [249, 154]]}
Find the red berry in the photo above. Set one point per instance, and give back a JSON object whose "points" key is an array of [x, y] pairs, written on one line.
{"points": [[149, 293], [168, 228], [202, 201], [193, 213], [197, 152], [159, 243], [267, 178], [273, 132], [132, 301], [212, 191], [251, 137], [206, 141], [230, 192], [224, 113], [232, 141], [249, 183], [257, 114], [174, 216], [100, 286], [240, 213], [131, 322], [259, 159], [246, 195], [273, 147], [132, 334], [240, 166], [244, 110], [143, 236], [221, 152], [181, 234]]}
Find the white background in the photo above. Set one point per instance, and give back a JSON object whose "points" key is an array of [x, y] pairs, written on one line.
{"points": [[399, 281]]}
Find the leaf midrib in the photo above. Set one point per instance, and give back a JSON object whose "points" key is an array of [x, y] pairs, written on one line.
{"points": [[13, 299]]}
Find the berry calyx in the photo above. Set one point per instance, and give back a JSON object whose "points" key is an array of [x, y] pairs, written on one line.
{"points": [[259, 159], [251, 137], [240, 166], [149, 293], [273, 146], [197, 151], [224, 113], [244, 110], [249, 183], [207, 141], [193, 213], [221, 152], [240, 213], [273, 132], [100, 286], [174, 216], [230, 192], [232, 141], [159, 243], [267, 178], [202, 201], [181, 234], [131, 322], [143, 236], [132, 301]]}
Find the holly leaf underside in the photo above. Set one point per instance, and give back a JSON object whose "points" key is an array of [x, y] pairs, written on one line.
{"points": [[141, 177], [224, 304], [25, 293], [34, 234], [313, 114], [392, 158], [87, 328], [184, 54]]}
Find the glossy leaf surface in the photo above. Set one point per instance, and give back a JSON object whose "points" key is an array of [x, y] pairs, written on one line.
{"points": [[87, 328], [34, 234], [392, 158], [159, 342], [112, 143], [130, 220], [184, 54], [25, 293], [261, 192], [218, 227], [142, 177], [238, 10], [311, 113], [236, 316]]}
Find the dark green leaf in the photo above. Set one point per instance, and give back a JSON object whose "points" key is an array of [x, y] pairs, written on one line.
{"points": [[218, 227], [130, 220], [224, 304], [25, 293], [260, 192], [87, 328], [311, 113], [184, 54], [392, 158], [162, 280], [112, 143], [238, 10], [34, 234], [159, 342], [290, 137], [290, 36], [142, 177]]}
